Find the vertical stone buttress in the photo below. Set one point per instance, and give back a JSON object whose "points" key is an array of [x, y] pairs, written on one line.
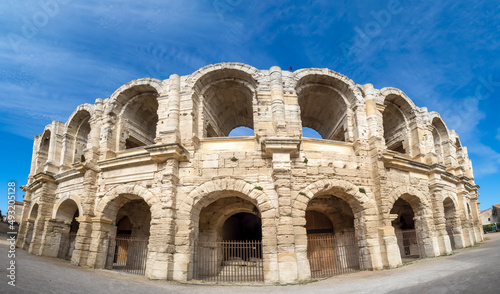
{"points": [[90, 172], [390, 256], [161, 246], [42, 225]]}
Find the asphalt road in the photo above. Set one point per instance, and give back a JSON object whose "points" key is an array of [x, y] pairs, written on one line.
{"points": [[469, 270]]}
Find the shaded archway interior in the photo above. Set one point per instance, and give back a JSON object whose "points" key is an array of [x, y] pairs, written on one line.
{"points": [[405, 229], [323, 109], [227, 104], [139, 120]]}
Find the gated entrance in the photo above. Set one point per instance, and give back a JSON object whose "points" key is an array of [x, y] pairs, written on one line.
{"points": [[235, 258], [229, 261], [331, 255], [130, 255]]}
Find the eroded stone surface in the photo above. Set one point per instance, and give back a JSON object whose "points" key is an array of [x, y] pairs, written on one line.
{"points": [[158, 154]]}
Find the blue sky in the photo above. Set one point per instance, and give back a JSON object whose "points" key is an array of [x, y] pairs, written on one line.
{"points": [[57, 54]]}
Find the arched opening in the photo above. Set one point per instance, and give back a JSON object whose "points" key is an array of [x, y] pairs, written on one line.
{"points": [[138, 121], [229, 242], [227, 104], [323, 107], [241, 227], [30, 225], [395, 128], [451, 221], [130, 232], [43, 151], [332, 246], [241, 131], [68, 228], [405, 228], [82, 131], [440, 136]]}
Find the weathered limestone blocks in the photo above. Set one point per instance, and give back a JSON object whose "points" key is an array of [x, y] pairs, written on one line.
{"points": [[156, 162]]}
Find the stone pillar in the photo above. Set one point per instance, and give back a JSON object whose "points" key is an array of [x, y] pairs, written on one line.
{"points": [[169, 108], [443, 239], [52, 237], [99, 245], [24, 225], [82, 241], [389, 240], [51, 166], [161, 245], [277, 101], [281, 151], [108, 136], [45, 206]]}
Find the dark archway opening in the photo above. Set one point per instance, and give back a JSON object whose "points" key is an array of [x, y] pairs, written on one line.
{"points": [[241, 227], [332, 245], [404, 226]]}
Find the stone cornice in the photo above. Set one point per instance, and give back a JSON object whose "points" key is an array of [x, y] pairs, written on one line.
{"points": [[281, 145], [161, 153]]}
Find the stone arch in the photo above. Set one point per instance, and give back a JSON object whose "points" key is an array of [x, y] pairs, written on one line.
{"points": [[56, 213], [188, 213], [110, 203], [324, 108], [342, 83], [399, 112], [76, 135], [441, 137], [198, 196], [42, 154], [146, 85], [200, 78], [362, 206], [33, 212], [357, 200], [423, 217], [226, 96], [407, 192]]}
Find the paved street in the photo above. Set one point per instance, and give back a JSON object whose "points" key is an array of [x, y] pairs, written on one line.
{"points": [[470, 270]]}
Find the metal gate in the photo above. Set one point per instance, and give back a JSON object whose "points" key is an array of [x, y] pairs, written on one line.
{"points": [[130, 255], [332, 255], [229, 261], [408, 245]]}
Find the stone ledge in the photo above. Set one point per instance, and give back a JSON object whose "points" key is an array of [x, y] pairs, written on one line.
{"points": [[281, 145], [160, 153]]}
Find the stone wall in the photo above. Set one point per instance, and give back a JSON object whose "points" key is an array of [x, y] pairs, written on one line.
{"points": [[164, 146]]}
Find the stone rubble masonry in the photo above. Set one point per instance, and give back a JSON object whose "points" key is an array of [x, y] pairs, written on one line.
{"points": [[166, 143]]}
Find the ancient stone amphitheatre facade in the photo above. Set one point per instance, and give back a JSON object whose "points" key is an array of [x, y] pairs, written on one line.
{"points": [[148, 180]]}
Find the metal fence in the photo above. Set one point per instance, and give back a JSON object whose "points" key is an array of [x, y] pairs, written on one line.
{"points": [[229, 261], [408, 245], [332, 255], [130, 255]]}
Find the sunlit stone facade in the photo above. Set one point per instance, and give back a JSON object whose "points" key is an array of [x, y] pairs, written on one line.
{"points": [[154, 161]]}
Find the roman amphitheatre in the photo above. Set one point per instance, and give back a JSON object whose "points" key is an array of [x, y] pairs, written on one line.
{"points": [[148, 181]]}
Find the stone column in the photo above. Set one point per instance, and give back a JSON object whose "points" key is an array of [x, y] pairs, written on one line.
{"points": [[161, 245], [390, 242], [52, 237], [82, 241], [443, 238], [281, 151], [46, 203], [99, 245], [277, 101], [168, 112], [23, 226]]}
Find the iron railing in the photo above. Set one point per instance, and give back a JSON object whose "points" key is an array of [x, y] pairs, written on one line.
{"points": [[229, 261], [331, 255], [408, 245], [130, 255]]}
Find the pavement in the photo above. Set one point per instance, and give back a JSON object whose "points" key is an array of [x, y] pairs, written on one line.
{"points": [[469, 270]]}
